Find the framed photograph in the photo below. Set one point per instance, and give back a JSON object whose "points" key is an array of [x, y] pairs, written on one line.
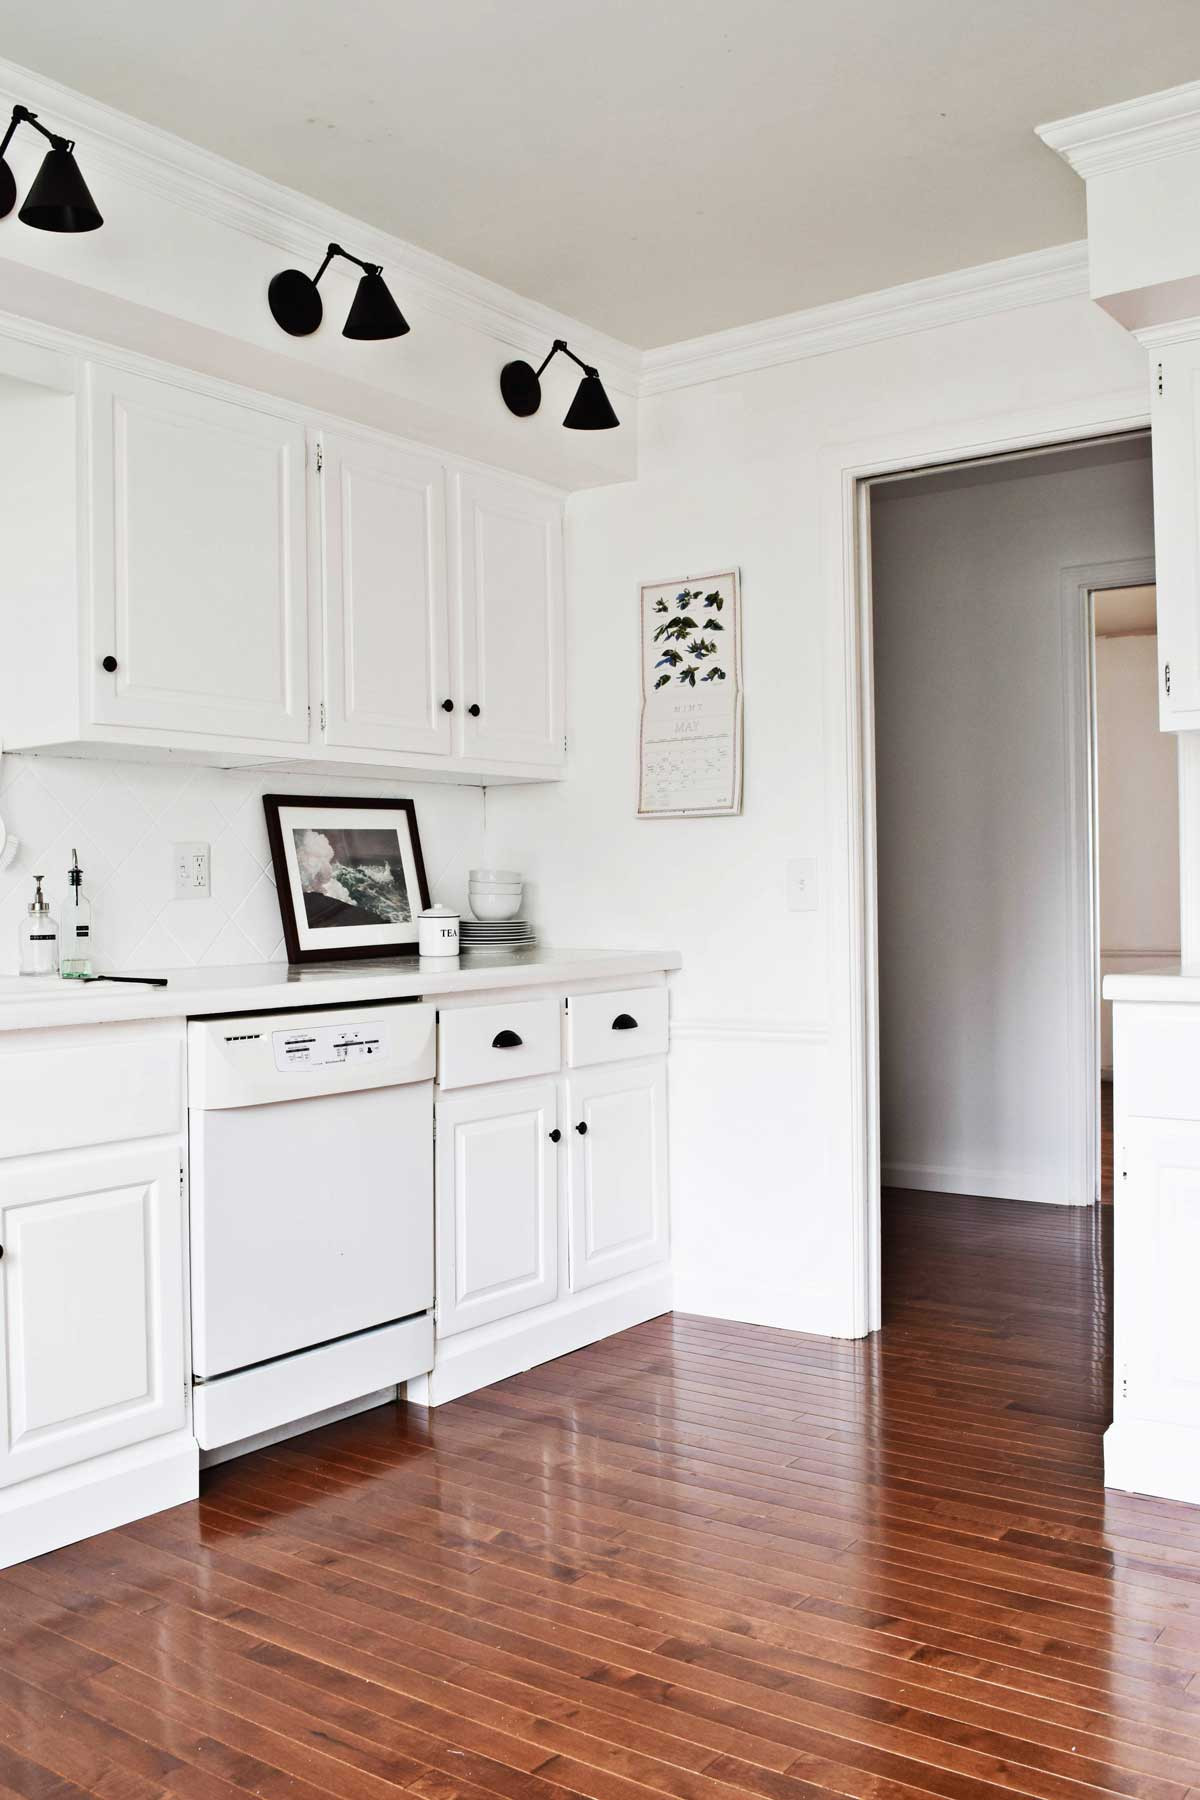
{"points": [[349, 874]]}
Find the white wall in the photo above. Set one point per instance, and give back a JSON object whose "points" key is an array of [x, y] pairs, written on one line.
{"points": [[976, 911], [1138, 808], [123, 819], [735, 471]]}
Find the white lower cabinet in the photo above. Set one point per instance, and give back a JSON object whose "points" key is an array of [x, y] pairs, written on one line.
{"points": [[618, 1180], [552, 1214], [91, 1305], [497, 1202]]}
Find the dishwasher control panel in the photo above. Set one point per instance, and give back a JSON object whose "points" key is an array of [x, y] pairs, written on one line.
{"points": [[325, 1046]]}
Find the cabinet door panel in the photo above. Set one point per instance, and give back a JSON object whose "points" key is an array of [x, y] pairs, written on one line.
{"points": [[1157, 1253], [497, 1203], [1175, 414], [510, 591], [387, 655], [91, 1306], [198, 547], [618, 1191]]}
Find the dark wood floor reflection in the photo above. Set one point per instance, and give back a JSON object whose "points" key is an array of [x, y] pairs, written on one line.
{"points": [[699, 1560]]}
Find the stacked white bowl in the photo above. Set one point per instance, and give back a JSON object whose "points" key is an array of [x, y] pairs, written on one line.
{"points": [[495, 893]]}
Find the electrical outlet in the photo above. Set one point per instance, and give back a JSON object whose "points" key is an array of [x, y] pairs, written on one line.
{"points": [[192, 871]]}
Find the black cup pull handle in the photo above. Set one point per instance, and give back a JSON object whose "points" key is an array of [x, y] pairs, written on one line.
{"points": [[581, 1128], [624, 1022], [506, 1040], [556, 1136]]}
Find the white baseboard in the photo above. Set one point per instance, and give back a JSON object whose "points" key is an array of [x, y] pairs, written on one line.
{"points": [[474, 1359], [60, 1508], [749, 1299], [1146, 1457], [983, 1184]]}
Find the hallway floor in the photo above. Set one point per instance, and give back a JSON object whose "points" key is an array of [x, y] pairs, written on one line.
{"points": [[699, 1560]]}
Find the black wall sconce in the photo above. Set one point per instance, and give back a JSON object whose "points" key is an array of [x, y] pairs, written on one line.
{"points": [[59, 198], [590, 410], [296, 305]]}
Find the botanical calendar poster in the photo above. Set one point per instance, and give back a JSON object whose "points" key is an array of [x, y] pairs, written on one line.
{"points": [[691, 735]]}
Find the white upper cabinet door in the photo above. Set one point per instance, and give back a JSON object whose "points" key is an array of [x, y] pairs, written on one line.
{"points": [[617, 1119], [509, 554], [91, 1306], [497, 1202], [387, 654], [1175, 409], [198, 564]]}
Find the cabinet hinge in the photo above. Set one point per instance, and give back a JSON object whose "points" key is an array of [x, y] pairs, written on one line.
{"points": [[1167, 677], [321, 454], [1160, 379], [181, 1178], [322, 715]]}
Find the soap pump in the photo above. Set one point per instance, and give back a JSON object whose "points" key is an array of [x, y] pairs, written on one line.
{"points": [[38, 936], [75, 961]]}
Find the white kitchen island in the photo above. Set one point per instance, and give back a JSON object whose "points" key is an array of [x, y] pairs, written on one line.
{"points": [[1153, 1443], [548, 1235]]}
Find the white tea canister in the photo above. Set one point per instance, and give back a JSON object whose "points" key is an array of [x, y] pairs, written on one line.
{"points": [[437, 931]]}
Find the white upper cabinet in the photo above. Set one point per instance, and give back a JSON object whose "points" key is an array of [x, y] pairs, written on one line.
{"points": [[189, 570], [509, 570], [386, 611], [198, 563], [1176, 430]]}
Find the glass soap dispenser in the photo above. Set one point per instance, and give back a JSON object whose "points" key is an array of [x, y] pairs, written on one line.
{"points": [[38, 936], [75, 955]]}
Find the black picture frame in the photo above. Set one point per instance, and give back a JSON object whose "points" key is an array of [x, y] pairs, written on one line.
{"points": [[341, 937]]}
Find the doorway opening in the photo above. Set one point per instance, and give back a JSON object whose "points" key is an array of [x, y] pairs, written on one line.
{"points": [[984, 579]]}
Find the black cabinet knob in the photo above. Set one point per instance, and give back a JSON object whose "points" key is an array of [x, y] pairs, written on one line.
{"points": [[624, 1022], [473, 710], [581, 1128], [506, 1040], [109, 665], [556, 1136], [447, 706]]}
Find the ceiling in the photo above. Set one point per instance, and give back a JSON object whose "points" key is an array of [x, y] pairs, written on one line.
{"points": [[658, 170], [1126, 612]]}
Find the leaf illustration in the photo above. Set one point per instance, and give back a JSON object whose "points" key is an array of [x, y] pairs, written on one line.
{"points": [[662, 680], [714, 599], [688, 675], [684, 624], [714, 674], [669, 656], [660, 606]]}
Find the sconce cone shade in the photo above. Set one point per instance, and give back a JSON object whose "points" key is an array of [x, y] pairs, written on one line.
{"points": [[591, 409], [374, 313], [59, 199]]}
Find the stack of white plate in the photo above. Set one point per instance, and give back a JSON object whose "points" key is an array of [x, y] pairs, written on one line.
{"points": [[481, 934]]}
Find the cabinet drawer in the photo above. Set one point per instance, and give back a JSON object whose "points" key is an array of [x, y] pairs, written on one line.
{"points": [[616, 1026], [476, 1043], [63, 1089]]}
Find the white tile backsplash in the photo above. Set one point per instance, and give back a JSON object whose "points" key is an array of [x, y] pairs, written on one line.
{"points": [[124, 817]]}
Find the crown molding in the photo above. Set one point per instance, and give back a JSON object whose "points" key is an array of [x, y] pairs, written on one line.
{"points": [[157, 162], [1030, 280], [1133, 131]]}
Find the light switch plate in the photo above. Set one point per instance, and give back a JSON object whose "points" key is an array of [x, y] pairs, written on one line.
{"points": [[801, 876], [193, 872]]}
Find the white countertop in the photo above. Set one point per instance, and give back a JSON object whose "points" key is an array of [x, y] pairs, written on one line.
{"points": [[1173, 982], [28, 1002]]}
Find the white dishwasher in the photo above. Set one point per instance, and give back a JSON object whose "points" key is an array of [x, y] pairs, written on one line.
{"points": [[311, 1153]]}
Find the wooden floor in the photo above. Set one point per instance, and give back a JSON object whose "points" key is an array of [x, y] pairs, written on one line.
{"points": [[699, 1560]]}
